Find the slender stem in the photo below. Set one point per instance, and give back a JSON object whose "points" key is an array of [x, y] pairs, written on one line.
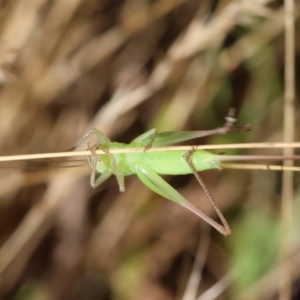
{"points": [[288, 136], [257, 167], [154, 149]]}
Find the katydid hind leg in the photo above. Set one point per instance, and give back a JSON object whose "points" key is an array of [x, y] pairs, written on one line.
{"points": [[149, 139], [158, 185], [207, 192], [163, 138], [168, 138], [154, 182]]}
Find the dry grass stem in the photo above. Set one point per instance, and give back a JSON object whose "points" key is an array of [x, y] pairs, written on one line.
{"points": [[288, 136], [154, 149]]}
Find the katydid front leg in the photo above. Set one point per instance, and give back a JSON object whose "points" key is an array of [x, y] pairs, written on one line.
{"points": [[116, 169], [102, 138], [104, 144], [93, 162]]}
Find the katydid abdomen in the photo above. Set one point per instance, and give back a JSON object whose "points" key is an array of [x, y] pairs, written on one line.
{"points": [[170, 163]]}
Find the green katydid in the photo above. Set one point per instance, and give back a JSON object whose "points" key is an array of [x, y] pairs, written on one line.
{"points": [[148, 165]]}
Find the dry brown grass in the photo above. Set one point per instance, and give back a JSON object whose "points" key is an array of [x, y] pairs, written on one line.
{"points": [[124, 67]]}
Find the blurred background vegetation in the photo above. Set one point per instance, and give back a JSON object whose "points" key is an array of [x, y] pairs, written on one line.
{"points": [[126, 66]]}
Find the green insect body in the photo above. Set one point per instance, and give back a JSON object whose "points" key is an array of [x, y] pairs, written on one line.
{"points": [[148, 165], [164, 163]]}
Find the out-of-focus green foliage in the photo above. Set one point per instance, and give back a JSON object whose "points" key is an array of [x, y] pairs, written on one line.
{"points": [[254, 246]]}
